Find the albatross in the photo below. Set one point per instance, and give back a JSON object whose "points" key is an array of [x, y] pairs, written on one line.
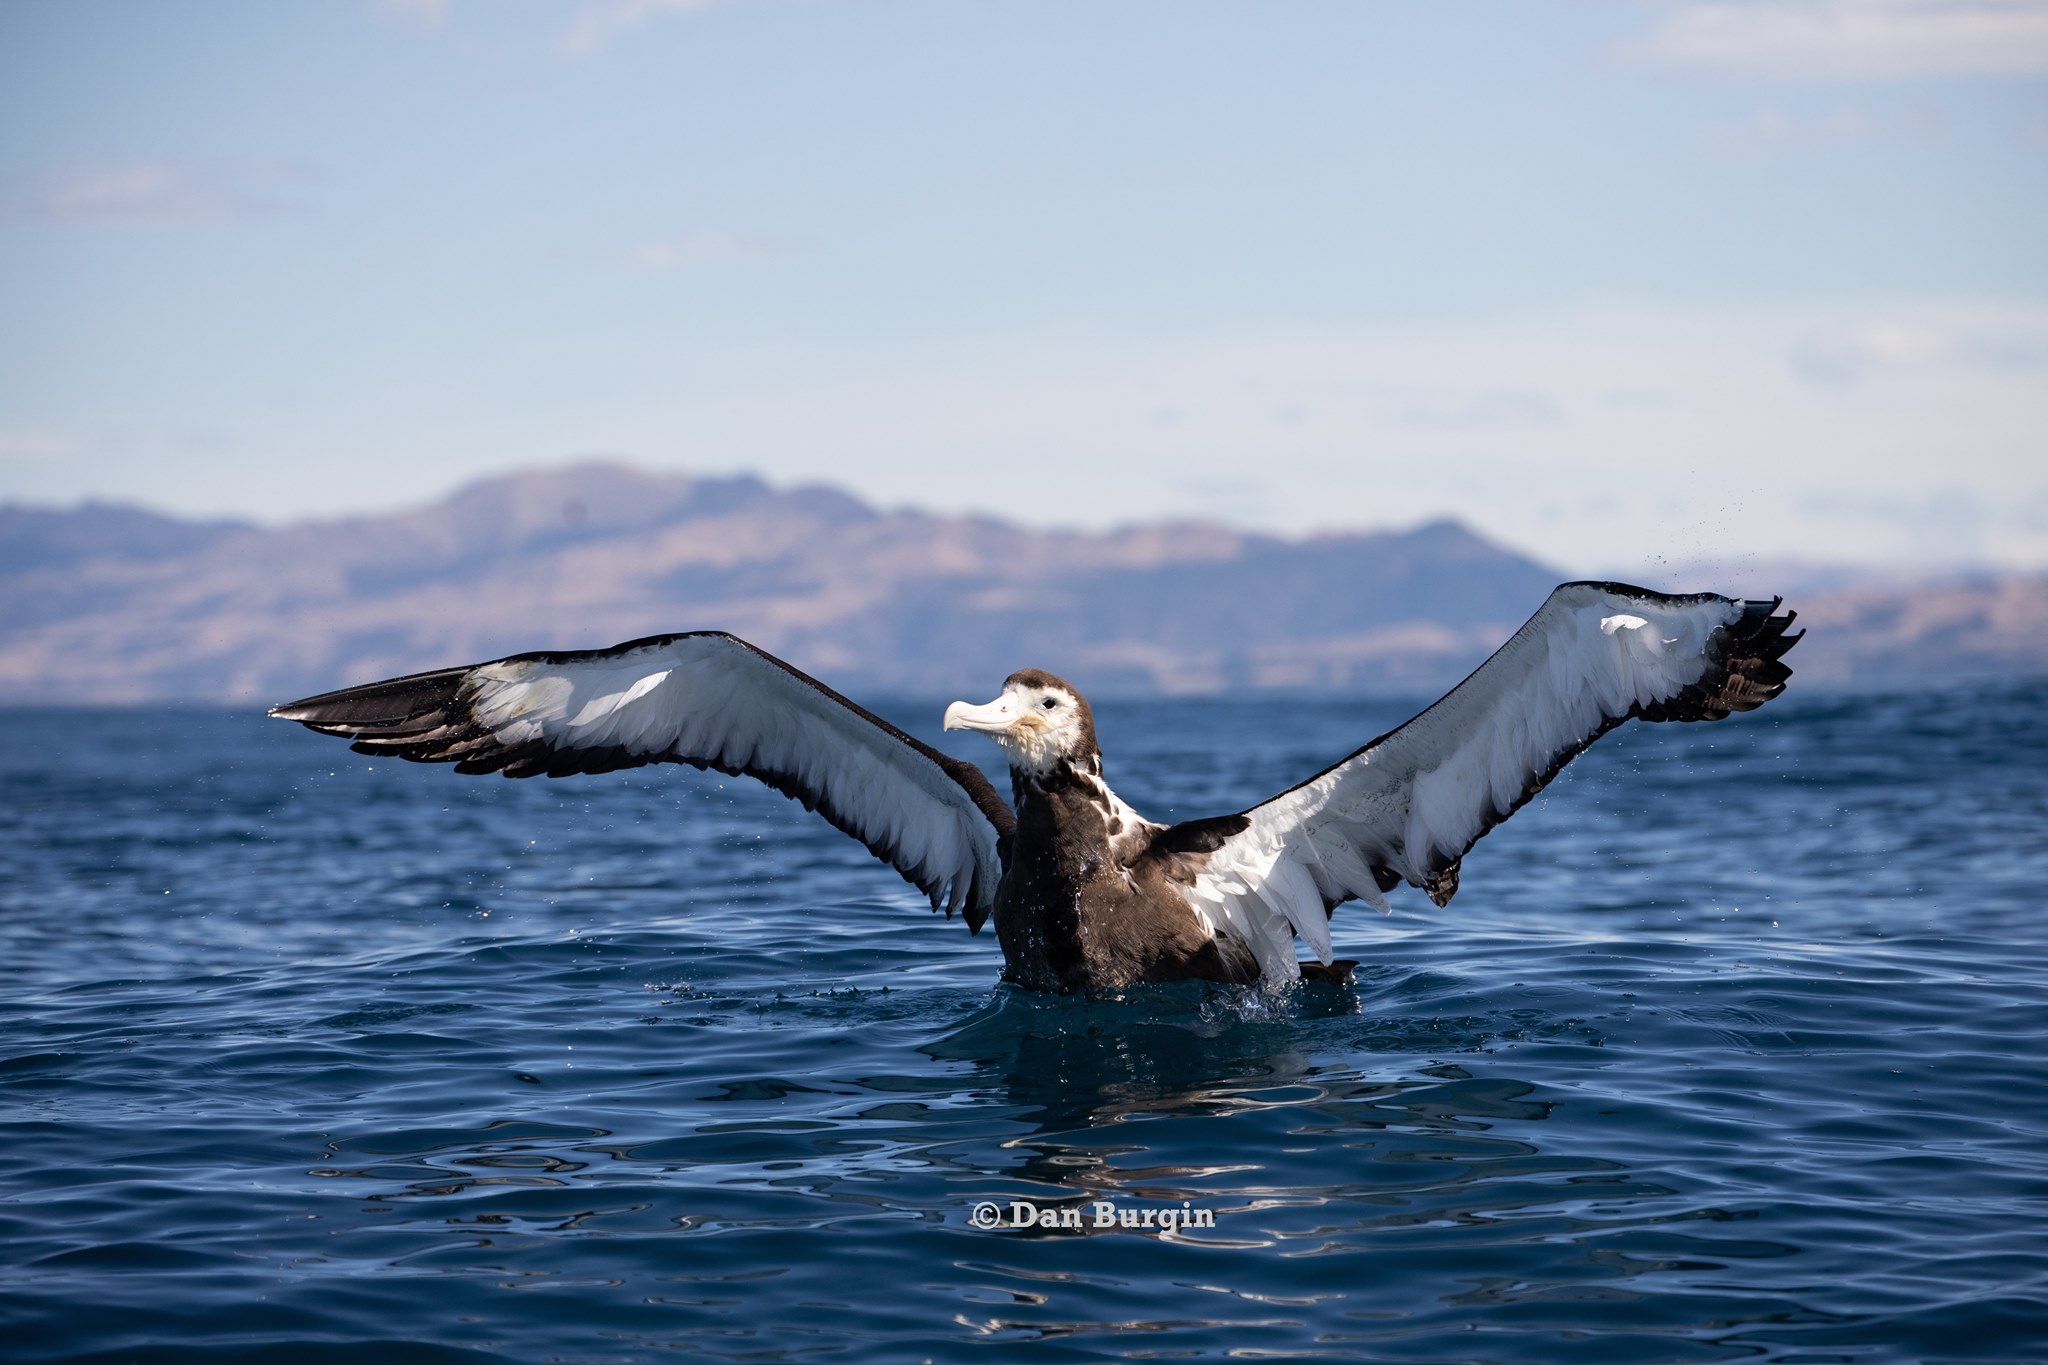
{"points": [[1086, 893]]}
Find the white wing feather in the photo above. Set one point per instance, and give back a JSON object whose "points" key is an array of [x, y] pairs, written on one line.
{"points": [[710, 700], [1411, 803]]}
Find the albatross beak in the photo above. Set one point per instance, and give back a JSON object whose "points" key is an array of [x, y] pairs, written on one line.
{"points": [[996, 717]]}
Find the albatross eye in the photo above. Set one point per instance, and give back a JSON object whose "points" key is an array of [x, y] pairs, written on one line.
{"points": [[1050, 702]]}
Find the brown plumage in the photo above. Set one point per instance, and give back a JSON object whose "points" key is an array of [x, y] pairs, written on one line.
{"points": [[1086, 893]]}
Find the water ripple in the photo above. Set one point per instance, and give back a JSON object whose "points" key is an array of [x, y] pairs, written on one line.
{"points": [[1729, 1050]]}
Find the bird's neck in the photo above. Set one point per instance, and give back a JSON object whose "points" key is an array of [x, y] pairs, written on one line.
{"points": [[1069, 807]]}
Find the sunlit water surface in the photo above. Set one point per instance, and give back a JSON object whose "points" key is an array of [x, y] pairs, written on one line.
{"points": [[1731, 1048]]}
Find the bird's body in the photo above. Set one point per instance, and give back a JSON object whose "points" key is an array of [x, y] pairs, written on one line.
{"points": [[1094, 898], [1086, 893]]}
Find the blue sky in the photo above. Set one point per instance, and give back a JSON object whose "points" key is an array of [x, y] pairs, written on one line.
{"points": [[1614, 280]]}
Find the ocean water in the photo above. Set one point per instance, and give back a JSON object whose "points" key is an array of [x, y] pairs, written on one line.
{"points": [[1730, 1048]]}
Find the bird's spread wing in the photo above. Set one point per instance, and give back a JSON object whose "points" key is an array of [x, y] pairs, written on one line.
{"points": [[710, 700], [1407, 806]]}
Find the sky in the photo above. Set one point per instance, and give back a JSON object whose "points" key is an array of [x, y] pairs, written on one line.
{"points": [[1613, 281]]}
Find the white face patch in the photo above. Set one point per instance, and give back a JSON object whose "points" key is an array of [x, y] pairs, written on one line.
{"points": [[1047, 728], [1038, 725]]}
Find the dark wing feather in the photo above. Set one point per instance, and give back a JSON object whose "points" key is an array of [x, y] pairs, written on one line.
{"points": [[710, 700], [1407, 806]]}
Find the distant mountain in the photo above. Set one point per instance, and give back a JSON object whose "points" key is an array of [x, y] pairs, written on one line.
{"points": [[45, 538], [116, 604], [1944, 629]]}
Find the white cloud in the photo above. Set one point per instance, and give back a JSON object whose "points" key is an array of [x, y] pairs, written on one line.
{"points": [[700, 248], [35, 445], [153, 192], [1775, 130], [1719, 446], [595, 25], [1495, 408], [1677, 432], [1944, 524], [426, 13], [1803, 40], [1848, 355]]}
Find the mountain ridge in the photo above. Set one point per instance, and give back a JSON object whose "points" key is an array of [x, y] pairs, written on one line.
{"points": [[108, 603]]}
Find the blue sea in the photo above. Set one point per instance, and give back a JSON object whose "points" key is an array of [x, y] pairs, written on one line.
{"points": [[1732, 1047]]}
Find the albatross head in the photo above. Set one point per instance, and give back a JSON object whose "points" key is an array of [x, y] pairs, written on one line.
{"points": [[1040, 719]]}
